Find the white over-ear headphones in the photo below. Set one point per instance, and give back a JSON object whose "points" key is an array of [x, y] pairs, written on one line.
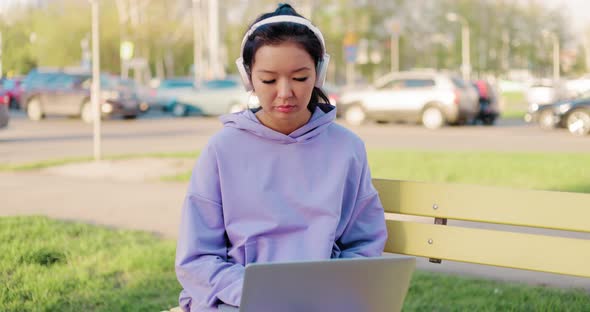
{"points": [[322, 66]]}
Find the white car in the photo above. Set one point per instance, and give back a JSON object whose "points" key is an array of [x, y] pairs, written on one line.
{"points": [[214, 97], [428, 97]]}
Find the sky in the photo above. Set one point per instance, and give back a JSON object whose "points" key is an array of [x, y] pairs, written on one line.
{"points": [[577, 9]]}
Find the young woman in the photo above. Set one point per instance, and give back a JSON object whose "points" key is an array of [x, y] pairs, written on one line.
{"points": [[278, 183]]}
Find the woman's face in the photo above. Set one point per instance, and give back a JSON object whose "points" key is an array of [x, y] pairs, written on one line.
{"points": [[283, 77]]}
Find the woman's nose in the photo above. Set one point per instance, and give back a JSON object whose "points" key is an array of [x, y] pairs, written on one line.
{"points": [[285, 90]]}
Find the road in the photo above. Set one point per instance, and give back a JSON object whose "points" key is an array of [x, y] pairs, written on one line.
{"points": [[56, 138]]}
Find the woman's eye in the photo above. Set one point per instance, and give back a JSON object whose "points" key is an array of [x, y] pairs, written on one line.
{"points": [[300, 79], [268, 81]]}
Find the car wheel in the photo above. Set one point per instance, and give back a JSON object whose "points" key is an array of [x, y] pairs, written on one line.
{"points": [[34, 110], [179, 110], [86, 113], [355, 115], [578, 122], [546, 120], [129, 117], [14, 104], [235, 108], [488, 121], [433, 118]]}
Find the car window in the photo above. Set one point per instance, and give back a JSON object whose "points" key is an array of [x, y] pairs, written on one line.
{"points": [[61, 82], [219, 84], [9, 84], [419, 83], [458, 82], [394, 84], [39, 80], [173, 84]]}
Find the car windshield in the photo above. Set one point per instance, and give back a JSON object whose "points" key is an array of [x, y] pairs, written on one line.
{"points": [[583, 95], [458, 82], [173, 84]]}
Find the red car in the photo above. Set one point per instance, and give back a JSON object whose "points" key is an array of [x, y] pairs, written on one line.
{"points": [[14, 91], [4, 115]]}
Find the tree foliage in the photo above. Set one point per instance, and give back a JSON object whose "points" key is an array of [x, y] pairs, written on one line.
{"points": [[504, 33]]}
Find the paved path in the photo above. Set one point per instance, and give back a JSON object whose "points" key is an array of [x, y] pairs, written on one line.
{"points": [[57, 138], [155, 207]]}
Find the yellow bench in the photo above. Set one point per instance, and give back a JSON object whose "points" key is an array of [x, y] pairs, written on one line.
{"points": [[507, 228]]}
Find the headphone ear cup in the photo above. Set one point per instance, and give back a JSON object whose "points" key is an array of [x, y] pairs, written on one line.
{"points": [[244, 74], [322, 70]]}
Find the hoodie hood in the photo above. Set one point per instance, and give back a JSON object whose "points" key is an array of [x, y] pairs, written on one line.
{"points": [[321, 119]]}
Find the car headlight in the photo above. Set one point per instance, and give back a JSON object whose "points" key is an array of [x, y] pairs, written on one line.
{"points": [[107, 108], [110, 95], [533, 107], [564, 107]]}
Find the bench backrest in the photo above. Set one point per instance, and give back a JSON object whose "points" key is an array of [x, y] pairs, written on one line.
{"points": [[506, 227]]}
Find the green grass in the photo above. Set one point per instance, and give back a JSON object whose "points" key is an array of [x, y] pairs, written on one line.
{"points": [[513, 115], [543, 171], [59, 162], [49, 265], [441, 292], [515, 105]]}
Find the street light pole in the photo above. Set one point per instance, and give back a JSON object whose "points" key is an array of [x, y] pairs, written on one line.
{"points": [[197, 54], [394, 52], [95, 94], [0, 54], [465, 44], [214, 57], [556, 65], [465, 47], [556, 52]]}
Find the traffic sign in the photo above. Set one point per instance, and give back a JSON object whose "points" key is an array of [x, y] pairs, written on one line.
{"points": [[350, 53], [126, 50]]}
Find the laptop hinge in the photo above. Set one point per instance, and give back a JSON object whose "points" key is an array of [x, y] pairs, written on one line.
{"points": [[440, 221]]}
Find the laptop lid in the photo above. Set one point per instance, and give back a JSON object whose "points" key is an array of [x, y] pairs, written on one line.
{"points": [[345, 285]]}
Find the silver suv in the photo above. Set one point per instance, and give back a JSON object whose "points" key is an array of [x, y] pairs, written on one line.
{"points": [[428, 97]]}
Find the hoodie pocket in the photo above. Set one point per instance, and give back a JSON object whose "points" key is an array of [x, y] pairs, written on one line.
{"points": [[250, 252]]}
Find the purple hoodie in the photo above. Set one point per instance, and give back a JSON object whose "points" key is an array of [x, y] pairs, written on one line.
{"points": [[257, 195]]}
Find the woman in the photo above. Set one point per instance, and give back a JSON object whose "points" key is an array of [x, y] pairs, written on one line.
{"points": [[280, 183]]}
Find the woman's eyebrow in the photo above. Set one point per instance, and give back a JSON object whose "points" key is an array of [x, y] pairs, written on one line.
{"points": [[273, 72]]}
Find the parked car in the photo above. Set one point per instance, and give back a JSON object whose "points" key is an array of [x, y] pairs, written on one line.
{"points": [[163, 97], [213, 97], [540, 97], [130, 86], [13, 88], [573, 115], [67, 93], [489, 109], [428, 97], [4, 109]]}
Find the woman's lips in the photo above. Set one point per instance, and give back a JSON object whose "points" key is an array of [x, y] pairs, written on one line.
{"points": [[285, 108]]}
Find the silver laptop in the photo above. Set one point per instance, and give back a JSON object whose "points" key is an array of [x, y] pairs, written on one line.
{"points": [[343, 285]]}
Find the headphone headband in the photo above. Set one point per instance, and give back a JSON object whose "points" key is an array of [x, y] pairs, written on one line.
{"points": [[321, 66], [282, 19]]}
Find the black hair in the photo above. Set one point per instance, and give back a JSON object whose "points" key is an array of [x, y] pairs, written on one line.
{"points": [[277, 33]]}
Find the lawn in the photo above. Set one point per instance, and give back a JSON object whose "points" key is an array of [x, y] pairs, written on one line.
{"points": [[50, 265], [543, 171]]}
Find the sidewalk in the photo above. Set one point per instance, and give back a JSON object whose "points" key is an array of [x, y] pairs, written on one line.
{"points": [[128, 202]]}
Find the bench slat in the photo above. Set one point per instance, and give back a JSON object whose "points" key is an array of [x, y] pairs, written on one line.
{"points": [[543, 209], [506, 249]]}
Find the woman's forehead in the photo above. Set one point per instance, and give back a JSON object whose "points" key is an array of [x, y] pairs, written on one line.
{"points": [[285, 56]]}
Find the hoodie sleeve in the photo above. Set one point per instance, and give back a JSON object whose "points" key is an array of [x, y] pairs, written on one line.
{"points": [[202, 267], [365, 232]]}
